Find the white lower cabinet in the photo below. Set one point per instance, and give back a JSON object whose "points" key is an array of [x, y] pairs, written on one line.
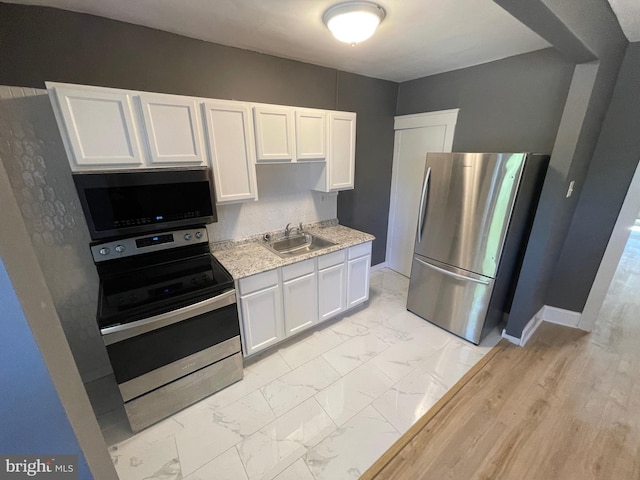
{"points": [[300, 296], [358, 268], [261, 311], [332, 280], [280, 303]]}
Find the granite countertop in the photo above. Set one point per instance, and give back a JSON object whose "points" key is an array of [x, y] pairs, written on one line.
{"points": [[248, 258]]}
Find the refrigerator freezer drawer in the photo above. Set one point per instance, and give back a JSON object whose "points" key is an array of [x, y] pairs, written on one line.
{"points": [[449, 297]]}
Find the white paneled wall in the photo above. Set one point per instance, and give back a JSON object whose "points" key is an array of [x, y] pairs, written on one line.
{"points": [[285, 196]]}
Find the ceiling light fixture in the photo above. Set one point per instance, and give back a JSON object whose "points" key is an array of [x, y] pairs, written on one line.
{"points": [[353, 22]]}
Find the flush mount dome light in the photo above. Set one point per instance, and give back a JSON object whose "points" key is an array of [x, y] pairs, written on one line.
{"points": [[353, 22]]}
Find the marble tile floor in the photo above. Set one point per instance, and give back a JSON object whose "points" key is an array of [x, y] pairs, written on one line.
{"points": [[324, 406]]}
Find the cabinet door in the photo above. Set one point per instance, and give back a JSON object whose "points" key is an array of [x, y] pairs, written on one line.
{"points": [[331, 291], [174, 134], [274, 133], [262, 321], [311, 135], [230, 141], [342, 150], [97, 126], [358, 280], [300, 303]]}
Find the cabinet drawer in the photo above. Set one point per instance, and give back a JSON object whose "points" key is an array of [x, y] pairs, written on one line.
{"points": [[331, 259], [360, 250], [298, 269], [258, 282]]}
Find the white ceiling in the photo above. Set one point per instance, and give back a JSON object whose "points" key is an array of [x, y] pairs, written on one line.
{"points": [[628, 13], [417, 38]]}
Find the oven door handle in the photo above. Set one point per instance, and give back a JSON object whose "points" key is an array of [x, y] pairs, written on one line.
{"points": [[117, 333]]}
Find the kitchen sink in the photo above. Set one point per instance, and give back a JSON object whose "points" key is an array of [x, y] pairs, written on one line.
{"points": [[298, 244]]}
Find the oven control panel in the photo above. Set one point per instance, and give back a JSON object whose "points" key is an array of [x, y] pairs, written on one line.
{"points": [[127, 247]]}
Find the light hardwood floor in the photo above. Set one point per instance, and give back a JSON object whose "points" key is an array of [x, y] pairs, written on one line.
{"points": [[566, 406]]}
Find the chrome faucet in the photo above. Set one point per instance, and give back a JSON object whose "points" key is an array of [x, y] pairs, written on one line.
{"points": [[288, 228]]}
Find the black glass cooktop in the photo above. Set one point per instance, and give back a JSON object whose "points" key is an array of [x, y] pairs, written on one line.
{"points": [[137, 289]]}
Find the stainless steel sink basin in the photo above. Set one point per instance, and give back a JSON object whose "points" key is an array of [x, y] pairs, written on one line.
{"points": [[298, 244]]}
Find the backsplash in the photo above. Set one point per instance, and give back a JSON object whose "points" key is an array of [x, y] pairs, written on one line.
{"points": [[284, 197], [32, 153]]}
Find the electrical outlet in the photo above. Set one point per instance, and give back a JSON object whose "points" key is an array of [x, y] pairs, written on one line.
{"points": [[570, 189]]}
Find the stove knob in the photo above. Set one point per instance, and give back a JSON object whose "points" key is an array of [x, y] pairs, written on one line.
{"points": [[120, 248], [198, 235], [187, 236], [104, 251]]}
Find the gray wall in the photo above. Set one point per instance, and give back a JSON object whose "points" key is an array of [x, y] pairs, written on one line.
{"points": [[367, 206], [614, 162], [508, 105], [39, 44], [566, 24]]}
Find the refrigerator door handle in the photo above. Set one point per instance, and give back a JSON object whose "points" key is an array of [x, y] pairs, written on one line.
{"points": [[451, 274], [423, 199]]}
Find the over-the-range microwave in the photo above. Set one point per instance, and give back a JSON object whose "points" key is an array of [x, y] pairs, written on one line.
{"points": [[121, 203]]}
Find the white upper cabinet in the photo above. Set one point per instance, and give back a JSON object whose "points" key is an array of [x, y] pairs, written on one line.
{"points": [[107, 128], [174, 132], [230, 141], [274, 133], [97, 126], [311, 136], [342, 143], [339, 171]]}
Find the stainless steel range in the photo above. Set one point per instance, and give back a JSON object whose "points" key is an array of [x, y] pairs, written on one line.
{"points": [[167, 308], [169, 321]]}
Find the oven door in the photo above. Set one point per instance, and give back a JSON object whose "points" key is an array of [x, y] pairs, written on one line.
{"points": [[149, 353]]}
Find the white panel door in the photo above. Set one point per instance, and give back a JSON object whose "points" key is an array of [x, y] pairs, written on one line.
{"points": [[274, 133], [342, 150], [233, 157], [358, 280], [173, 130], [99, 127], [331, 291], [262, 319], [415, 136], [311, 134], [300, 303]]}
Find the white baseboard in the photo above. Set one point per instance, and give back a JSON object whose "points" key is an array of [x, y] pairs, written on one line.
{"points": [[378, 266], [549, 314], [560, 316], [506, 336], [528, 330]]}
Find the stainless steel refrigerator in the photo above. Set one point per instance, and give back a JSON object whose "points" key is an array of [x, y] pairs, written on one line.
{"points": [[474, 220]]}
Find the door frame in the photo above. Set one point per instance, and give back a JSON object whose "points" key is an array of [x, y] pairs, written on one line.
{"points": [[446, 118], [613, 253]]}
